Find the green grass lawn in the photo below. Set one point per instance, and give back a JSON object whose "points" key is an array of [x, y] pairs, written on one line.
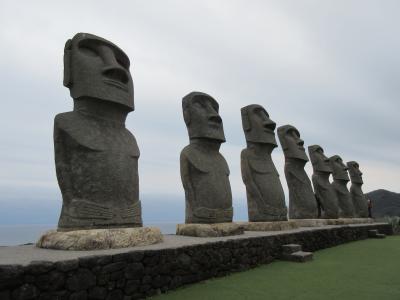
{"points": [[368, 269]]}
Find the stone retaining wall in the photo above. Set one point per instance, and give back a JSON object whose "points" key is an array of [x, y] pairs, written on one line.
{"points": [[140, 273]]}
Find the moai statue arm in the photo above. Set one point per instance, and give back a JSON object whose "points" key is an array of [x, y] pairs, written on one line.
{"points": [[185, 177], [62, 141], [248, 180]]}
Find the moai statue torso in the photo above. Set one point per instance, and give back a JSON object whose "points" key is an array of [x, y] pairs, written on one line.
{"points": [[265, 196], [96, 156], [204, 171], [324, 192], [302, 203], [339, 184], [358, 198]]}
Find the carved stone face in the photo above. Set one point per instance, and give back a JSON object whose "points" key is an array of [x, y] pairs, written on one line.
{"points": [[257, 125], [355, 173], [318, 159], [95, 67], [291, 142], [339, 168], [200, 112]]}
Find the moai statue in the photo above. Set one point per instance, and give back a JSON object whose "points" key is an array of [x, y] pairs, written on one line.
{"points": [[339, 184], [357, 196], [96, 157], [302, 202], [204, 171], [265, 196], [324, 193]]}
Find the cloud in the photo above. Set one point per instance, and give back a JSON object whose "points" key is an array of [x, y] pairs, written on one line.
{"points": [[328, 68]]}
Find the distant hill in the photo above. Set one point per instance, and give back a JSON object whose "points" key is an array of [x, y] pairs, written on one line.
{"points": [[385, 203]]}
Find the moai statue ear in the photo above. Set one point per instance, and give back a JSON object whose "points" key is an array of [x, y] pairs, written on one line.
{"points": [[245, 119], [67, 64]]}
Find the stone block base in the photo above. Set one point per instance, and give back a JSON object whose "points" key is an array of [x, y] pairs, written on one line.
{"points": [[96, 239], [268, 226], [209, 230], [323, 222]]}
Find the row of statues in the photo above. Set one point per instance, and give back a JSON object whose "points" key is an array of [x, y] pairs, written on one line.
{"points": [[96, 157]]}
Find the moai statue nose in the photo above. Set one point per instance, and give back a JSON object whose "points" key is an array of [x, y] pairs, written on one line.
{"points": [[113, 69]]}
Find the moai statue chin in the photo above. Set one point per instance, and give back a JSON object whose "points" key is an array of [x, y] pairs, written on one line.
{"points": [[265, 196], [96, 157], [339, 184], [204, 171], [357, 196], [324, 193], [302, 203]]}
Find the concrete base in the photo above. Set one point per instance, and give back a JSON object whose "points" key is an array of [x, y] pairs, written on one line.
{"points": [[323, 222], [268, 226], [209, 230], [97, 239]]}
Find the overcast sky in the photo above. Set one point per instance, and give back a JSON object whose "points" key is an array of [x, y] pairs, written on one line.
{"points": [[330, 68]]}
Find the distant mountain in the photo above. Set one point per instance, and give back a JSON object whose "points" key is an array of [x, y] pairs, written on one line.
{"points": [[384, 203]]}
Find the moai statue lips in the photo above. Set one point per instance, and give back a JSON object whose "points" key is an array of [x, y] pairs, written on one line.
{"points": [[204, 171], [96, 156], [320, 179], [265, 196], [340, 180], [302, 202], [357, 195]]}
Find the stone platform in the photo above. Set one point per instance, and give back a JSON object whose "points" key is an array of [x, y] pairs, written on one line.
{"points": [[97, 239], [323, 222], [28, 272], [268, 226], [209, 230]]}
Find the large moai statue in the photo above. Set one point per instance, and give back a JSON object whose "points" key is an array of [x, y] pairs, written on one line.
{"points": [[339, 184], [96, 157], [204, 171], [302, 202], [324, 193], [357, 196], [265, 196]]}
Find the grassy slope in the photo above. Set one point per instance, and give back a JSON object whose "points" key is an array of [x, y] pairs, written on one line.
{"points": [[368, 269]]}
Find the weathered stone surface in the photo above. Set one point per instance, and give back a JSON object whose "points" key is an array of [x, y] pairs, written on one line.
{"points": [[25, 292], [96, 156], [10, 276], [209, 230], [82, 280], [265, 196], [339, 184], [204, 171], [358, 198], [100, 238], [268, 226], [325, 195], [302, 202]]}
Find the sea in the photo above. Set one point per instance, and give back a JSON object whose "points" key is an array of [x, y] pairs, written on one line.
{"points": [[12, 235]]}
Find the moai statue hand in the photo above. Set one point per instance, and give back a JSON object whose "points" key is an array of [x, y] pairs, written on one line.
{"points": [[340, 180], [265, 196], [96, 157], [204, 171], [323, 189], [302, 202], [358, 198]]}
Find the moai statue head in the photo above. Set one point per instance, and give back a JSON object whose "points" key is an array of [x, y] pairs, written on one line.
{"points": [[318, 159], [291, 142], [200, 112], [355, 173], [257, 126], [96, 68], [339, 169]]}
